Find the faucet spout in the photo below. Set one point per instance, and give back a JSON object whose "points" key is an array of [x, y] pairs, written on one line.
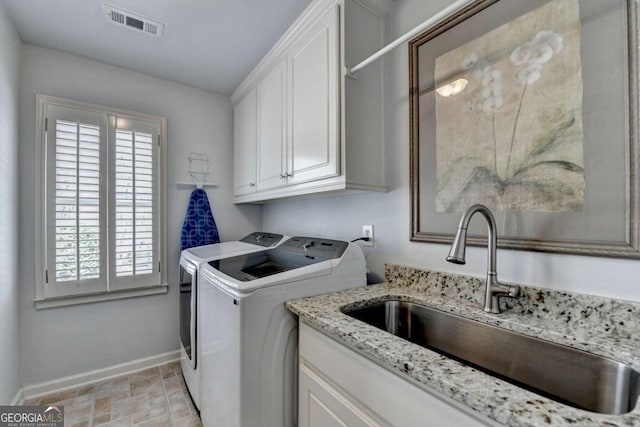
{"points": [[493, 288]]}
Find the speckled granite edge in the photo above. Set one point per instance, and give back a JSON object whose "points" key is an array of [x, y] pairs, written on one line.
{"points": [[541, 313], [585, 315]]}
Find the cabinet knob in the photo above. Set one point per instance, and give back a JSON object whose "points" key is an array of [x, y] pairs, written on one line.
{"points": [[288, 175], [252, 184], [283, 176]]}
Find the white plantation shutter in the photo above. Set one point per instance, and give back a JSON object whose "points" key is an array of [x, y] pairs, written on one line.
{"points": [[76, 238], [135, 199], [101, 193], [77, 201]]}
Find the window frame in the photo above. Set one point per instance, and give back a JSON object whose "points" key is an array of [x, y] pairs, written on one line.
{"points": [[72, 297]]}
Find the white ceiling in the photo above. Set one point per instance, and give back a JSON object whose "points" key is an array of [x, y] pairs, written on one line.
{"points": [[209, 44]]}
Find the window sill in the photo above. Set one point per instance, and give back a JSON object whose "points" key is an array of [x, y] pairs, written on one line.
{"points": [[42, 303]]}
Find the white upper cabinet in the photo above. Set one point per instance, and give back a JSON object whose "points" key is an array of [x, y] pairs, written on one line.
{"points": [[272, 128], [313, 150], [244, 145], [303, 142]]}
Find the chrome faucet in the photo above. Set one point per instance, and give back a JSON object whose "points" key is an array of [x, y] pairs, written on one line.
{"points": [[493, 288]]}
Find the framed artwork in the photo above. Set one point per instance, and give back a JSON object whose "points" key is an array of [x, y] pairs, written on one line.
{"points": [[529, 108]]}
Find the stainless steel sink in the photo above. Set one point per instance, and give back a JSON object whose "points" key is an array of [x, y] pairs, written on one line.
{"points": [[566, 375]]}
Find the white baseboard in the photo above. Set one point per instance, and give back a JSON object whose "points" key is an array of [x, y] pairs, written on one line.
{"points": [[86, 378], [19, 397]]}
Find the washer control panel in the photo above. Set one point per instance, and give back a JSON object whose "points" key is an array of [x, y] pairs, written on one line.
{"points": [[263, 239], [316, 247]]}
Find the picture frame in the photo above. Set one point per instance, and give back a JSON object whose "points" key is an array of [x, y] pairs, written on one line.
{"points": [[602, 217]]}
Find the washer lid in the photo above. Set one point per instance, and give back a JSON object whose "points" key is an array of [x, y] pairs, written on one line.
{"points": [[297, 252], [250, 243]]}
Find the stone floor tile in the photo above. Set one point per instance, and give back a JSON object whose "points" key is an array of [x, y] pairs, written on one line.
{"points": [[102, 406], [191, 405], [83, 398], [181, 413], [77, 413], [162, 421], [88, 389], [59, 397], [146, 373], [150, 414], [145, 385], [154, 397], [174, 384], [177, 396], [180, 409], [102, 419], [179, 404], [190, 421], [123, 407], [117, 388], [64, 403], [170, 370], [122, 422]]}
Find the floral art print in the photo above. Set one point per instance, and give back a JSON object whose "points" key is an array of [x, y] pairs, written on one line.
{"points": [[512, 137]]}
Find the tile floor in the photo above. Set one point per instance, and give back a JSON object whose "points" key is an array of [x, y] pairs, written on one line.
{"points": [[153, 397]]}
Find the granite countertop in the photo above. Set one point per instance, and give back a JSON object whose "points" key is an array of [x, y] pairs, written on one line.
{"points": [[598, 325]]}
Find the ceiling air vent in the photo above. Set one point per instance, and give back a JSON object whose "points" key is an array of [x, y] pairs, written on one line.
{"points": [[136, 22]]}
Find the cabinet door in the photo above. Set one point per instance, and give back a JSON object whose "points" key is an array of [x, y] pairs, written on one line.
{"points": [[383, 396], [244, 145], [272, 121], [321, 405], [313, 149]]}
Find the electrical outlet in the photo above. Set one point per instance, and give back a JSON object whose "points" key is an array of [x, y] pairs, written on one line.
{"points": [[367, 231]]}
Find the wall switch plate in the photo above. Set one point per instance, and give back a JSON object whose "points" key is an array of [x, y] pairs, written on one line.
{"points": [[367, 231]]}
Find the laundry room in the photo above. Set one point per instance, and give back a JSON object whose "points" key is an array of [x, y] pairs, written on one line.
{"points": [[295, 212]]}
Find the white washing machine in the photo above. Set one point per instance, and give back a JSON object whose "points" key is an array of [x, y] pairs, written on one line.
{"points": [[190, 262], [249, 340]]}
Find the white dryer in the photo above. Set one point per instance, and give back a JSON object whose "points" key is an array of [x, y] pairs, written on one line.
{"points": [[190, 261], [249, 340]]}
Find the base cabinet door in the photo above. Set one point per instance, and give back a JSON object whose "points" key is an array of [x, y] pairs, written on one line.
{"points": [[341, 387], [321, 405]]}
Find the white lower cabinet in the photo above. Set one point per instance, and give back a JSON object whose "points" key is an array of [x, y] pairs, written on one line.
{"points": [[339, 387], [321, 405]]}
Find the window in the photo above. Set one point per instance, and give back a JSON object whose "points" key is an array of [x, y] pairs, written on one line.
{"points": [[101, 203]]}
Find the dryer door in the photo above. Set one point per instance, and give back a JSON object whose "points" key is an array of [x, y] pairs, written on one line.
{"points": [[188, 307]]}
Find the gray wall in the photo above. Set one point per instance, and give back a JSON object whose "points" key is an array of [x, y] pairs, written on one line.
{"points": [[342, 217], [9, 332], [63, 341]]}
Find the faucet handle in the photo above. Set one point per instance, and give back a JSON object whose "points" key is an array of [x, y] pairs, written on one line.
{"points": [[495, 290], [503, 289], [514, 291]]}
